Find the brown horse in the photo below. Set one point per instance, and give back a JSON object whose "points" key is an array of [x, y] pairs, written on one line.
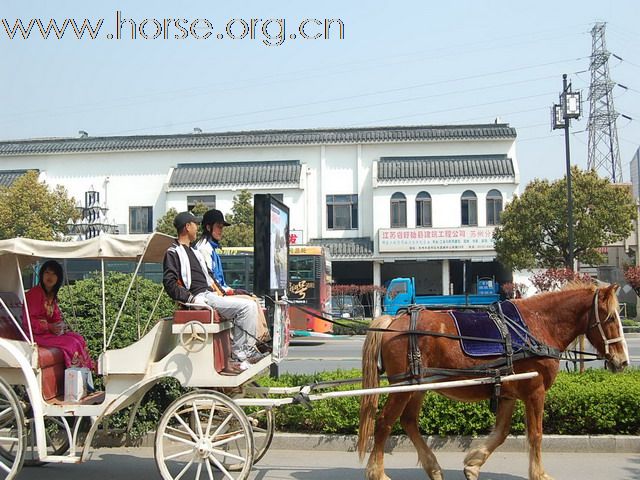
{"points": [[555, 319]]}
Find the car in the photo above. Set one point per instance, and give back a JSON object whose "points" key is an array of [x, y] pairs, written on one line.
{"points": [[346, 306]]}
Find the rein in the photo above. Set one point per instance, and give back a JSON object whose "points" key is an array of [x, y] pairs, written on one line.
{"points": [[537, 349]]}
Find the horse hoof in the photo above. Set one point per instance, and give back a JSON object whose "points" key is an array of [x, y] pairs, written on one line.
{"points": [[471, 472], [384, 476], [543, 476]]}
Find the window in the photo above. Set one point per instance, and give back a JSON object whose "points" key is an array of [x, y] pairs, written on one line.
{"points": [[140, 219], [398, 210], [423, 210], [469, 209], [208, 200], [342, 212], [494, 207]]}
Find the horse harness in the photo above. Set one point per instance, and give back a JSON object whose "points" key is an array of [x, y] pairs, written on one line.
{"points": [[417, 374], [503, 366], [598, 323]]}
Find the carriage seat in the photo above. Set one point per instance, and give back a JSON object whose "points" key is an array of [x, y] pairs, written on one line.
{"points": [[202, 316], [50, 359], [221, 340]]}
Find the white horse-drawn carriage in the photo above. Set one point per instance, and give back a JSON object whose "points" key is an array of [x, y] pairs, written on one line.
{"points": [[204, 431], [217, 430]]}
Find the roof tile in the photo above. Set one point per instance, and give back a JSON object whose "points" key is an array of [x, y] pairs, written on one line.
{"points": [[432, 167], [7, 177], [419, 133], [234, 173]]}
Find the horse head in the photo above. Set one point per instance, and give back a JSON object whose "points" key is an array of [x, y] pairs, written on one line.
{"points": [[604, 329]]}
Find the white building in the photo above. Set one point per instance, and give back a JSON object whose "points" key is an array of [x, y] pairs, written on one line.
{"points": [[419, 201]]}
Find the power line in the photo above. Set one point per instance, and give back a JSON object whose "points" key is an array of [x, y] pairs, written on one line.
{"points": [[391, 102], [449, 109], [112, 103]]}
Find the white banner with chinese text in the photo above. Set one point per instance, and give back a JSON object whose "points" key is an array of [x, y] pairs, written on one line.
{"points": [[435, 239]]}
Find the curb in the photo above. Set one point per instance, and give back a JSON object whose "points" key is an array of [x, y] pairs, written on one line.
{"points": [[401, 443], [554, 443]]}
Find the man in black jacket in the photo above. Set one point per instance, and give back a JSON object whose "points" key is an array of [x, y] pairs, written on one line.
{"points": [[186, 280]]}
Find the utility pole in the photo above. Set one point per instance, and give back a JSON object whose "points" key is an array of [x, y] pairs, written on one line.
{"points": [[604, 153]]}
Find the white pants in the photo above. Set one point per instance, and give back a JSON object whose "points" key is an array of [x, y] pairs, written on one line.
{"points": [[242, 312]]}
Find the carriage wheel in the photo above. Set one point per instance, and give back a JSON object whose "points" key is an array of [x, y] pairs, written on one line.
{"points": [[12, 432], [263, 425], [201, 434], [56, 434]]}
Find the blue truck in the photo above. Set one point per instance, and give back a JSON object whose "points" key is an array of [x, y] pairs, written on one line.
{"points": [[401, 293]]}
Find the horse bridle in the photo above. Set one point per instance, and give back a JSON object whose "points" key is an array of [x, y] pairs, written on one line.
{"points": [[598, 323]]}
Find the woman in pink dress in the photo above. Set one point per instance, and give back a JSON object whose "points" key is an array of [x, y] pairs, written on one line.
{"points": [[49, 330]]}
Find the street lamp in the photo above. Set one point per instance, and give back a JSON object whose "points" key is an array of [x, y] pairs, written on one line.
{"points": [[561, 115]]}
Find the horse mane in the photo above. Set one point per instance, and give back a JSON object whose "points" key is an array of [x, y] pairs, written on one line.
{"points": [[612, 304], [580, 284]]}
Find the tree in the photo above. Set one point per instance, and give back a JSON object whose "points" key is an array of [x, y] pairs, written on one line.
{"points": [[514, 289], [240, 233], [165, 223], [556, 278], [632, 276], [534, 231], [28, 208]]}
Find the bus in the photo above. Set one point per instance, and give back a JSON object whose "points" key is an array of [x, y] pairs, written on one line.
{"points": [[309, 283]]}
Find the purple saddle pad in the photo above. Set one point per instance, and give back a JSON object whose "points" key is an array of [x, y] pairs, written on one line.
{"points": [[479, 324]]}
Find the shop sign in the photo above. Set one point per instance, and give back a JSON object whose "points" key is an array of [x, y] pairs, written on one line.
{"points": [[435, 239], [296, 237]]}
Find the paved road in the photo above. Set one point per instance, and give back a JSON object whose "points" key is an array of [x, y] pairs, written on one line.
{"points": [[310, 355], [123, 464]]}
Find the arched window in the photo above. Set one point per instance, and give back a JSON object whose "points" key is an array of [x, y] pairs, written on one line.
{"points": [[469, 209], [494, 207], [423, 210], [398, 210]]}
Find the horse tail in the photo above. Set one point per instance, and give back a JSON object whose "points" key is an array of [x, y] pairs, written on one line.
{"points": [[370, 379]]}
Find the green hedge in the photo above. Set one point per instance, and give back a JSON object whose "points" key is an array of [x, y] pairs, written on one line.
{"points": [[595, 402], [347, 326]]}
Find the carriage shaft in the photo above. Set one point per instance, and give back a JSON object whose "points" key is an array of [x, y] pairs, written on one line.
{"points": [[276, 402]]}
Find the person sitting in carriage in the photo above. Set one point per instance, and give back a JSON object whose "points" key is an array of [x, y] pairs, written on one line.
{"points": [[47, 325], [213, 224], [186, 280]]}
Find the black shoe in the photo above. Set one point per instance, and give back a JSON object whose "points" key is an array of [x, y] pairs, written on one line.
{"points": [[264, 347]]}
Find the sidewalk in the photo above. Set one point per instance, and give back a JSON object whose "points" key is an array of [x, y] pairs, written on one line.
{"points": [[138, 463]]}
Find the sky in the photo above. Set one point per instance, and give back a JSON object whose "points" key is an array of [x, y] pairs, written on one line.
{"points": [[398, 63]]}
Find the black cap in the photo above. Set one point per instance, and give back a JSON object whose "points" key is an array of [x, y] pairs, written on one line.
{"points": [[214, 216], [183, 218]]}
